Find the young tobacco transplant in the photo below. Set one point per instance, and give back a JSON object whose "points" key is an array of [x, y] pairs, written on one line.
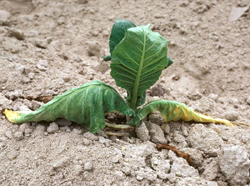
{"points": [[138, 56]]}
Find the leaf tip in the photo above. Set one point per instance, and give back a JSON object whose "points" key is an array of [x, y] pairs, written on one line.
{"points": [[107, 58], [10, 115]]}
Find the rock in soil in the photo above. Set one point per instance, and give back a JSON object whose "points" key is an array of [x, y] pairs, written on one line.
{"points": [[4, 17], [234, 164], [53, 127], [16, 33], [91, 136], [63, 122], [94, 48], [142, 132], [156, 133], [181, 168], [205, 139], [211, 169], [88, 166]]}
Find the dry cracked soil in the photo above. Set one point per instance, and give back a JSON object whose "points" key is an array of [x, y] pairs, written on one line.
{"points": [[47, 47]]}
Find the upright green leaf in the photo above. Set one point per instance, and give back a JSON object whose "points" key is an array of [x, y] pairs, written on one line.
{"points": [[137, 62], [84, 105], [117, 34]]}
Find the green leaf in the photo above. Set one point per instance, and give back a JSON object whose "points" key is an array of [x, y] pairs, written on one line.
{"points": [[117, 34], [174, 111], [137, 62], [84, 105], [107, 58]]}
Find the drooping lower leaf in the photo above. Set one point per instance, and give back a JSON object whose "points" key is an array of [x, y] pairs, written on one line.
{"points": [[137, 62], [174, 111], [84, 105]]}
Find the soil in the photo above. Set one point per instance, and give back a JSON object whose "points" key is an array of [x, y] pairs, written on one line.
{"points": [[47, 47]]}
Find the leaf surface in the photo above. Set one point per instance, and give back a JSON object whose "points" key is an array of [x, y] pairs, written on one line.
{"points": [[84, 105], [174, 111], [137, 62], [117, 34]]}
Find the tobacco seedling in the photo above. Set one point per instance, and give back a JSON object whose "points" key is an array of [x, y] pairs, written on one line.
{"points": [[138, 56]]}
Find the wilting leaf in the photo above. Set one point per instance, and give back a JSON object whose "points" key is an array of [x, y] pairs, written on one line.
{"points": [[174, 111], [84, 105], [137, 62]]}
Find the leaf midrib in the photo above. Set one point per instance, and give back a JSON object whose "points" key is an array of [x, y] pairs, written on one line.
{"points": [[138, 76]]}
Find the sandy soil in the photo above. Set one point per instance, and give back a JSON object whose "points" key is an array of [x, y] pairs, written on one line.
{"points": [[47, 47]]}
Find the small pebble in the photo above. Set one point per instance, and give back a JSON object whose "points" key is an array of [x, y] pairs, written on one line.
{"points": [[16, 33], [28, 131], [104, 140], [115, 159], [61, 162], [95, 33], [33, 33], [39, 130], [4, 17], [162, 175], [12, 154], [20, 68], [172, 156], [31, 75], [22, 127], [231, 115], [157, 91], [25, 80], [2, 144], [53, 127], [184, 130], [119, 175], [61, 20], [213, 96], [42, 65], [3, 139], [18, 135], [94, 48], [63, 122], [156, 133], [76, 131], [166, 128], [126, 171], [234, 101], [221, 100], [88, 166], [35, 105], [91, 136], [194, 96], [41, 43], [139, 178], [78, 169], [82, 1], [86, 141], [8, 134], [142, 132], [158, 16], [14, 94], [248, 100]]}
